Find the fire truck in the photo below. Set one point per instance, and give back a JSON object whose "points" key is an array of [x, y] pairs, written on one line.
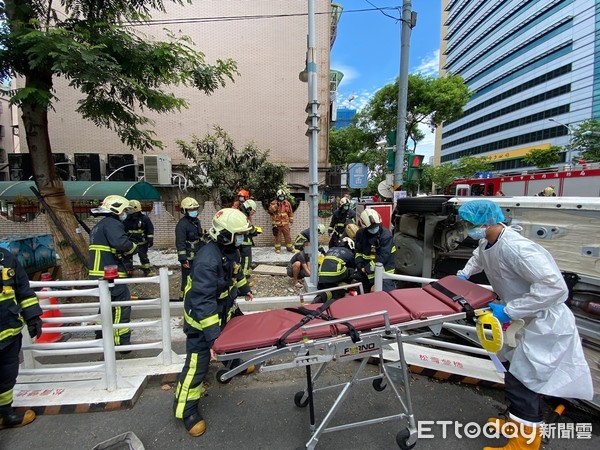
{"points": [[578, 180]]}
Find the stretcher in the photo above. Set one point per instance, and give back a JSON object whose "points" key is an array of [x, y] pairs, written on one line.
{"points": [[349, 329]]}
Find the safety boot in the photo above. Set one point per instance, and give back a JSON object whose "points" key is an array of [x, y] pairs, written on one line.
{"points": [[195, 424], [524, 438], [149, 273], [16, 420]]}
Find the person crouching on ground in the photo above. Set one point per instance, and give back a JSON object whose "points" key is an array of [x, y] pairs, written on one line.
{"points": [[298, 267]]}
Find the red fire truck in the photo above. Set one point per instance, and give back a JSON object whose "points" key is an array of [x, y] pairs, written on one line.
{"points": [[578, 180]]}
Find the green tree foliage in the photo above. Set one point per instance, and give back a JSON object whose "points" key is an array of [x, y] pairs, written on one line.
{"points": [[470, 165], [119, 73], [586, 140], [219, 170], [430, 101], [543, 157], [348, 143], [444, 174]]}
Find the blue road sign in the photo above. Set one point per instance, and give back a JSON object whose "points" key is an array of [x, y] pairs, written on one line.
{"points": [[359, 176]]}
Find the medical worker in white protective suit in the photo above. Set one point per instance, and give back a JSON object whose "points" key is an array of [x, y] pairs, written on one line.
{"points": [[548, 358]]}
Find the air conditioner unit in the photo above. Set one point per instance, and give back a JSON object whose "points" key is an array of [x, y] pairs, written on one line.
{"points": [[19, 166], [64, 166], [157, 169], [90, 167], [122, 167]]}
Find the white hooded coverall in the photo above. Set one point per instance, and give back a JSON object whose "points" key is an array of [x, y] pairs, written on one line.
{"points": [[548, 358]]}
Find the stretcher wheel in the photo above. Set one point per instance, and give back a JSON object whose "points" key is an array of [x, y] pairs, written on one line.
{"points": [[298, 400], [220, 374], [402, 439], [379, 385]]}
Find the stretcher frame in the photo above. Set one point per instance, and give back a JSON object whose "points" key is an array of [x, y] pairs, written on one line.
{"points": [[343, 348]]}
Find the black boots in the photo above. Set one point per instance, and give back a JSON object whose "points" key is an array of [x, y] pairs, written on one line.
{"points": [[15, 419]]}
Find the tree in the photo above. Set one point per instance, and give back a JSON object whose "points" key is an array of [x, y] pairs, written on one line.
{"points": [[444, 174], [119, 74], [586, 139], [543, 157], [430, 101], [346, 144], [216, 158], [470, 165]]}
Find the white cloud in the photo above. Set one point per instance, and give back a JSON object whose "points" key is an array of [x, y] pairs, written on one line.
{"points": [[429, 65]]}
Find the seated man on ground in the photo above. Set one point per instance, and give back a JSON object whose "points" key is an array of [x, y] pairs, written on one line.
{"points": [[298, 267]]}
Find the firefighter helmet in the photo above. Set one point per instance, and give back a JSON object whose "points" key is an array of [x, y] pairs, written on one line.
{"points": [[135, 205], [227, 223], [280, 192], [244, 193], [370, 218], [344, 201], [349, 243], [112, 204], [189, 203], [321, 229], [351, 230], [248, 206]]}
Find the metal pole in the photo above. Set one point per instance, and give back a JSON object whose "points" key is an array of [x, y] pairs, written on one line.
{"points": [[313, 145], [402, 92], [110, 361], [378, 277], [165, 314]]}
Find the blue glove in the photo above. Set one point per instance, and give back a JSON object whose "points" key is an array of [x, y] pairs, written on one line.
{"points": [[499, 312], [462, 277]]}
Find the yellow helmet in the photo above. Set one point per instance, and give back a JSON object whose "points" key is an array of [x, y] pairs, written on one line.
{"points": [[135, 205], [369, 218], [226, 224], [112, 204], [321, 229], [351, 230], [280, 192], [344, 201], [249, 205], [189, 203]]}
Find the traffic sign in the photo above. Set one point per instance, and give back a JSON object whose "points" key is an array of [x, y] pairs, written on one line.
{"points": [[359, 175]]}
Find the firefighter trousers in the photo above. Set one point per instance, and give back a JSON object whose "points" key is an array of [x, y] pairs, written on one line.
{"points": [[283, 234], [9, 369], [120, 314], [246, 258]]}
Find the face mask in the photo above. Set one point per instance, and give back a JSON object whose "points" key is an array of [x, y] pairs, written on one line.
{"points": [[477, 233], [193, 214], [373, 230], [239, 239], [346, 207], [241, 199], [123, 217], [281, 197]]}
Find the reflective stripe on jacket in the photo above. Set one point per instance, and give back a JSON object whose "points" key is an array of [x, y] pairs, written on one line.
{"points": [[109, 244], [139, 228], [188, 238], [374, 248]]}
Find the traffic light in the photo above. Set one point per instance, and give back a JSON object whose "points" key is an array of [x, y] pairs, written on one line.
{"points": [[391, 155], [415, 162]]}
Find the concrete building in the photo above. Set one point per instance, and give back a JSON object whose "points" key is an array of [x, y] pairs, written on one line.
{"points": [[532, 70], [266, 104]]}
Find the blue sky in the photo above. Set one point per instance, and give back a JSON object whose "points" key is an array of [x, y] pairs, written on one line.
{"points": [[367, 50]]}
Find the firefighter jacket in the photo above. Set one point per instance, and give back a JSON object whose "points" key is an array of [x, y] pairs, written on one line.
{"points": [[374, 248], [281, 213], [338, 265], [109, 246], [302, 238], [18, 302], [139, 228], [217, 279], [189, 237], [339, 219]]}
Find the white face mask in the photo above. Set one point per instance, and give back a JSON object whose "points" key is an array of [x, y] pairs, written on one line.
{"points": [[241, 199], [239, 238], [123, 217], [193, 213], [477, 233], [373, 230]]}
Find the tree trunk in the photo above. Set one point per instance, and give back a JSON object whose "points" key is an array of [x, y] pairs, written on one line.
{"points": [[66, 232]]}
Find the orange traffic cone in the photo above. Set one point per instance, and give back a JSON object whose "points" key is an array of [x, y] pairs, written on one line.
{"points": [[47, 337]]}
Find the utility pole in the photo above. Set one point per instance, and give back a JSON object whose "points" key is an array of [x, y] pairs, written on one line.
{"points": [[409, 20], [313, 146]]}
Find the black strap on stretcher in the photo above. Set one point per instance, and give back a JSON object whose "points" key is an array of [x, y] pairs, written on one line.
{"points": [[309, 315], [467, 308]]}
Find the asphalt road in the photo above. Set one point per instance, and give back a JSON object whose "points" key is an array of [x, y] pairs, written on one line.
{"points": [[258, 412]]}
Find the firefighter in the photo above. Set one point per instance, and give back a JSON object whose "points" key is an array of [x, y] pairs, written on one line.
{"points": [[337, 268], [339, 219], [189, 237], [18, 305], [304, 237], [242, 196], [249, 209], [282, 217], [210, 294], [110, 246], [373, 244], [139, 229]]}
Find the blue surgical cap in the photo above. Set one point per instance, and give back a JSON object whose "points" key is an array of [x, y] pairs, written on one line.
{"points": [[481, 212]]}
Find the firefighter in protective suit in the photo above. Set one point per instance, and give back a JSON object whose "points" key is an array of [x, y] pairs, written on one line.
{"points": [[373, 244], [339, 219], [304, 237], [337, 268], [209, 302], [189, 237], [110, 246], [282, 218], [249, 209], [18, 305], [139, 229]]}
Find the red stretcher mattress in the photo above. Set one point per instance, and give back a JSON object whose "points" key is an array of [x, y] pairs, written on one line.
{"points": [[265, 329]]}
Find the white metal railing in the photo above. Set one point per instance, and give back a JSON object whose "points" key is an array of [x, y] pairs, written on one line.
{"points": [[101, 290]]}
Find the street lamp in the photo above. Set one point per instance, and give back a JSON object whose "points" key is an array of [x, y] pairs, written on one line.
{"points": [[570, 133]]}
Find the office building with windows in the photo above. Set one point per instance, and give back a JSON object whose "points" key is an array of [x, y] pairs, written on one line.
{"points": [[532, 71]]}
